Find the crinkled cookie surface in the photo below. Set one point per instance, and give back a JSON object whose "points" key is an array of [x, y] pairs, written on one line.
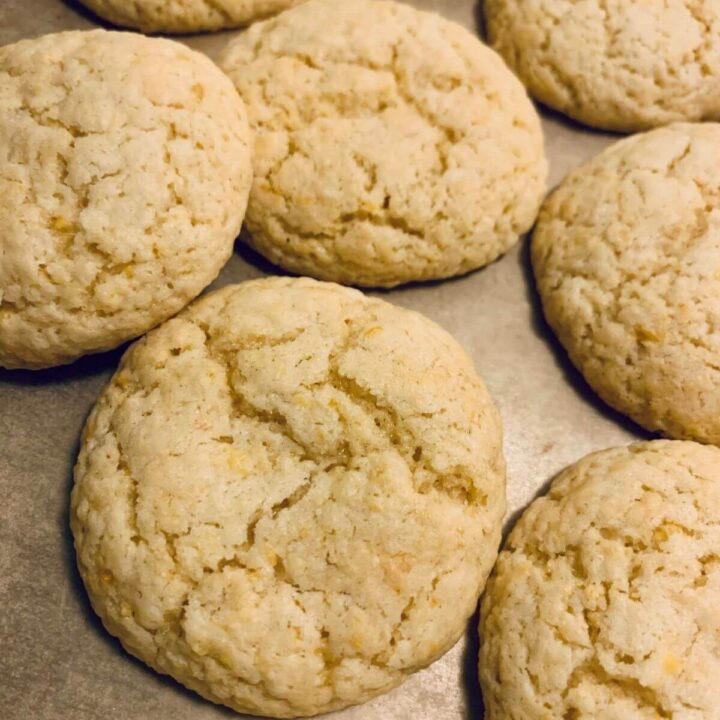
{"points": [[124, 174], [289, 496], [604, 602], [392, 145], [627, 258], [185, 16], [614, 64]]}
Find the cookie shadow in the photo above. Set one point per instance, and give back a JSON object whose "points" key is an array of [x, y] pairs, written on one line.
{"points": [[571, 374], [252, 257], [479, 17], [426, 284], [474, 706], [88, 15], [575, 126], [85, 367]]}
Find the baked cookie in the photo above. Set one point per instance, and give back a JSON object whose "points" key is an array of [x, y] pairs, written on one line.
{"points": [[289, 496], [614, 64], [604, 601], [391, 144], [185, 16], [124, 174], [627, 258]]}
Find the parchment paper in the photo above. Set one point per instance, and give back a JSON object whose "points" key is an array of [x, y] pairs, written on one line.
{"points": [[57, 662]]}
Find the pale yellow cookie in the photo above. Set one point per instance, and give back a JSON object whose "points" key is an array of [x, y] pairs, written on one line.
{"points": [[392, 145], [289, 497], [603, 604], [627, 258], [614, 64], [185, 16], [124, 174]]}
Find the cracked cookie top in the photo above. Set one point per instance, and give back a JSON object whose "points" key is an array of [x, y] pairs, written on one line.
{"points": [[391, 144], [627, 258], [185, 16], [614, 64], [604, 601], [124, 174], [289, 497]]}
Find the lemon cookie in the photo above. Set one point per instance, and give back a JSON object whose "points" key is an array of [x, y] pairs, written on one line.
{"points": [[124, 173], [185, 16], [289, 496], [392, 145], [627, 258], [603, 603], [614, 64]]}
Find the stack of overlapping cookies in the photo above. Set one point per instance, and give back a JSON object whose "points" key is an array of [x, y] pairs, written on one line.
{"points": [[290, 496]]}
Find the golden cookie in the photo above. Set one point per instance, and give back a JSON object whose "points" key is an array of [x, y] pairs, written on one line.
{"points": [[614, 64], [627, 258], [124, 173], [392, 145], [604, 601], [289, 497]]}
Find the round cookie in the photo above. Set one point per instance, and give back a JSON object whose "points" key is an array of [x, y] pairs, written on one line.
{"points": [[391, 144], [185, 16], [614, 64], [289, 496], [603, 603], [125, 168], [626, 253]]}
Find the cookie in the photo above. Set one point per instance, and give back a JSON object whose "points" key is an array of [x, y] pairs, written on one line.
{"points": [[185, 16], [391, 145], [289, 496], [627, 259], [614, 64], [603, 603], [125, 166]]}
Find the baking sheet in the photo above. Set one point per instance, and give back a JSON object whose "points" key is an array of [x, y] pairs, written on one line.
{"points": [[57, 662]]}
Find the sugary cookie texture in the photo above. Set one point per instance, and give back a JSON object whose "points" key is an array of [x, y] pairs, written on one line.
{"points": [[124, 174], [185, 16], [627, 258], [614, 64], [604, 601], [391, 144], [289, 497]]}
